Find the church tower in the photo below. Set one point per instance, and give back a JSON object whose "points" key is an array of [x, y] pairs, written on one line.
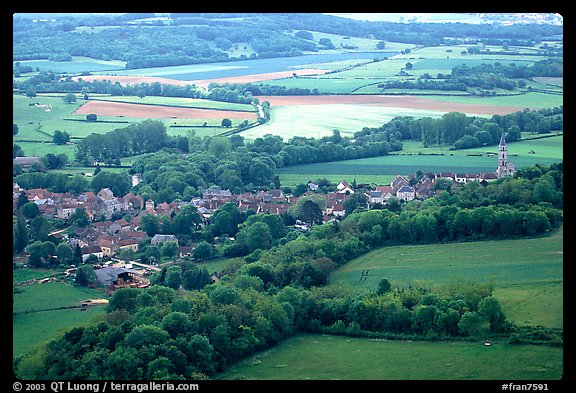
{"points": [[505, 168]]}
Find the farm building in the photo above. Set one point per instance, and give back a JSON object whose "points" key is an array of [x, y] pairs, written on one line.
{"points": [[116, 276]]}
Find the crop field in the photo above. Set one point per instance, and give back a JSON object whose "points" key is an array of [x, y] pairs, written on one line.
{"points": [[147, 111], [326, 357], [527, 274], [317, 116], [77, 65]]}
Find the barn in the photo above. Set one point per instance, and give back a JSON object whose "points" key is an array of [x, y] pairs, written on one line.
{"points": [[116, 276]]}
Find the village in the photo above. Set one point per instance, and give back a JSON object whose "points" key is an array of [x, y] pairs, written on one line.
{"points": [[107, 235]]}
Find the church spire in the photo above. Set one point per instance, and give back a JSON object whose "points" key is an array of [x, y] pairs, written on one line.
{"points": [[505, 168], [502, 140]]}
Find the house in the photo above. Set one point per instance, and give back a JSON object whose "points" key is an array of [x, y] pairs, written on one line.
{"points": [[110, 206], [91, 250], [158, 238], [105, 194], [344, 188], [406, 193], [398, 182], [128, 243], [185, 251], [107, 246], [338, 210], [25, 162], [387, 192], [65, 210], [375, 197]]}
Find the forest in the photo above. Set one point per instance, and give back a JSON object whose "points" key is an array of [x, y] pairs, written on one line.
{"points": [[201, 38]]}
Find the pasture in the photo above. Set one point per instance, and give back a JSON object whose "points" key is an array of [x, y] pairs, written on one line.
{"points": [[527, 274], [33, 328], [327, 357]]}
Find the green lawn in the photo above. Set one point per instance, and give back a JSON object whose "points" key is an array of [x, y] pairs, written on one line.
{"points": [[527, 273], [325, 357]]}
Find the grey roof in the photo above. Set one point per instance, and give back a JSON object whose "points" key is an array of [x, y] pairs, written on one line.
{"points": [[107, 275]]}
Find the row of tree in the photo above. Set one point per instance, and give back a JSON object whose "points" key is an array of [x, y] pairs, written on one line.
{"points": [[485, 76]]}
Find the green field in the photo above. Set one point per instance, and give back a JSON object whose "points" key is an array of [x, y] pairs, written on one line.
{"points": [[316, 121], [414, 158], [33, 328], [527, 274], [77, 65], [325, 357]]}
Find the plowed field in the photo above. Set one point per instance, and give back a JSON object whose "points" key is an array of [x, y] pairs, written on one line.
{"points": [[106, 108]]}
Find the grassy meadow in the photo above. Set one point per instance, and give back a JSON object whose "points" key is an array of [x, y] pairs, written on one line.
{"points": [[326, 357], [33, 328], [527, 274]]}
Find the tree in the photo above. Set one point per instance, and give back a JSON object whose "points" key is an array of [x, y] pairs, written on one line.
{"points": [[310, 213], [69, 98], [20, 233], [226, 123], [79, 217], [92, 117], [256, 236], [202, 251], [489, 308], [222, 223], [176, 323], [30, 210], [150, 224], [384, 286], [40, 228], [85, 275], [30, 93], [77, 256], [169, 249], [64, 253], [61, 137], [219, 146], [173, 277]]}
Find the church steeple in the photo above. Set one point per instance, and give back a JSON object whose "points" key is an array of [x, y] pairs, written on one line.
{"points": [[505, 168]]}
